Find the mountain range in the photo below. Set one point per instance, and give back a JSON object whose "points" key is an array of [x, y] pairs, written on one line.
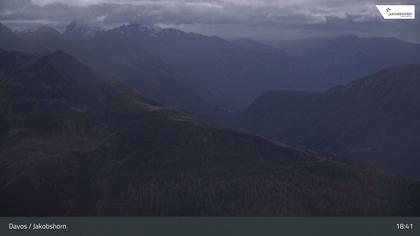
{"points": [[124, 62], [326, 62], [75, 144], [374, 120], [241, 70], [131, 121], [216, 77]]}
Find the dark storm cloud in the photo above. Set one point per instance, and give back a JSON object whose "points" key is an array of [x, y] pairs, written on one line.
{"points": [[234, 18], [252, 12]]}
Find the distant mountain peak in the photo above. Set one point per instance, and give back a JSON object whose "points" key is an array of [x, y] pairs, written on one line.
{"points": [[77, 28], [146, 29], [71, 26], [46, 30], [62, 54], [59, 60], [5, 30], [139, 27]]}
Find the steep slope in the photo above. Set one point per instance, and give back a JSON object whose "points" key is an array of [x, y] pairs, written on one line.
{"points": [[75, 144], [124, 62], [130, 64], [233, 70], [210, 75], [374, 120], [244, 69], [6, 36]]}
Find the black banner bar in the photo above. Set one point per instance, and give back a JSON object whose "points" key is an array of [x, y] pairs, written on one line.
{"points": [[243, 226]]}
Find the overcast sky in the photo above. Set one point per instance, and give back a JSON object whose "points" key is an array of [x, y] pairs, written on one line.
{"points": [[259, 19]]}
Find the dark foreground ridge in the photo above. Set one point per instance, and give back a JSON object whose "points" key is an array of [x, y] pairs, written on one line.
{"points": [[74, 144]]}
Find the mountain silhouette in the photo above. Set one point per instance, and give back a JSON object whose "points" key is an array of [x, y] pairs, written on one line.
{"points": [[124, 62], [327, 62], [74, 144], [214, 77], [373, 120], [242, 70]]}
